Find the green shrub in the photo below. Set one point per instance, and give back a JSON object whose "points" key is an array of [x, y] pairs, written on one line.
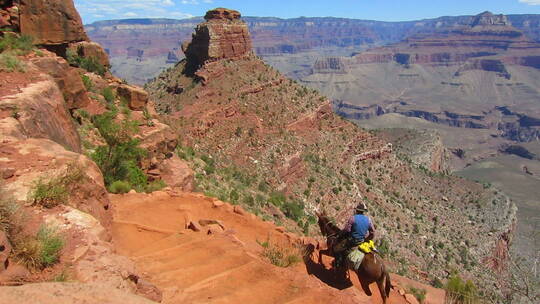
{"points": [[52, 191], [51, 245], [108, 94], [119, 158], [91, 64], [418, 293], [88, 84], [155, 186], [39, 251], [459, 291], [293, 210], [119, 187], [10, 63], [9, 214], [19, 45]]}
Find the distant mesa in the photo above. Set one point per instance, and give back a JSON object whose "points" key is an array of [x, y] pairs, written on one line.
{"points": [[224, 35], [487, 18], [485, 36]]}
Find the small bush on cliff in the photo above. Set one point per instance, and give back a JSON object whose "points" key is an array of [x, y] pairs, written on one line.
{"points": [[39, 251], [119, 187], [11, 215], [19, 45], [281, 256], [418, 293], [119, 159], [52, 191], [10, 63], [459, 291], [108, 94], [91, 64]]}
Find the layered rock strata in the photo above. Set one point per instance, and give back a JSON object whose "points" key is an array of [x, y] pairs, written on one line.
{"points": [[222, 36], [486, 35]]}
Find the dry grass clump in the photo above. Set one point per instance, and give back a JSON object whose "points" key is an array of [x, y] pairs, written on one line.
{"points": [[281, 255], [40, 251], [51, 192]]}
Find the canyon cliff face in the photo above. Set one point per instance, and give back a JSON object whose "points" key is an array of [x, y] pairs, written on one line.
{"points": [[486, 35], [458, 76]]}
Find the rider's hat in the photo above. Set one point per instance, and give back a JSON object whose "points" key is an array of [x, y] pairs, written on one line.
{"points": [[361, 207]]}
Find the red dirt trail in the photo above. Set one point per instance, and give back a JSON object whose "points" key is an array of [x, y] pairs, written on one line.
{"points": [[197, 267]]}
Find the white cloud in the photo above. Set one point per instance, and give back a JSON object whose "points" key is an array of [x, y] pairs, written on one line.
{"points": [[530, 2], [114, 9]]}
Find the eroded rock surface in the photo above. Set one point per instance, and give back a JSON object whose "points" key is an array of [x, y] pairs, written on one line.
{"points": [[222, 36], [68, 293], [51, 22]]}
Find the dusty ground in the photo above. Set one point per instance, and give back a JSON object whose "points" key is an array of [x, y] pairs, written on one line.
{"points": [[215, 265]]}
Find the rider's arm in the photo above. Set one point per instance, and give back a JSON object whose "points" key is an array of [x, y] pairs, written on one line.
{"points": [[371, 230], [348, 225]]}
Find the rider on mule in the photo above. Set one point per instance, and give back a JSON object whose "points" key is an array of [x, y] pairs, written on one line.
{"points": [[358, 229]]}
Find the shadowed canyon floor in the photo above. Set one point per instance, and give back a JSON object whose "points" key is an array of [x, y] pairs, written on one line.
{"points": [[220, 266]]}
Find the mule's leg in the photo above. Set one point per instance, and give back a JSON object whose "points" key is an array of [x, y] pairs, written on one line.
{"points": [[325, 252], [365, 285], [380, 284]]}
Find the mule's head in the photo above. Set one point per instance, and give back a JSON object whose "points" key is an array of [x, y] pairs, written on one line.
{"points": [[325, 224]]}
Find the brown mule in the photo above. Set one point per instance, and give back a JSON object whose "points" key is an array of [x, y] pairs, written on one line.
{"points": [[372, 268]]}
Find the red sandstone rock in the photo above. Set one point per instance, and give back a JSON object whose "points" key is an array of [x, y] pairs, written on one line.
{"points": [[88, 49], [68, 79], [14, 273], [136, 97], [194, 226], [214, 229], [44, 114], [148, 290], [5, 250], [222, 13], [223, 36], [41, 158], [68, 293], [177, 174], [239, 210], [51, 22]]}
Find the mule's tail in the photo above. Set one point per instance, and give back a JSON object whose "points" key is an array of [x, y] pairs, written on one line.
{"points": [[388, 284]]}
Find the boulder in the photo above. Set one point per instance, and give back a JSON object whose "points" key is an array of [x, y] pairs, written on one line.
{"points": [[176, 173], [51, 22], [159, 141], [136, 97], [222, 36], [67, 78], [5, 250], [33, 159], [88, 49], [42, 113], [13, 274], [411, 299], [214, 229], [68, 293]]}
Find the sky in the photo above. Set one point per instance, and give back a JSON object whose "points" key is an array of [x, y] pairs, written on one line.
{"points": [[383, 10]]}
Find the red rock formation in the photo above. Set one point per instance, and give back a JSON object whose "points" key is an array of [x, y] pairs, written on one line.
{"points": [[136, 97], [91, 49], [487, 35], [51, 21], [222, 36]]}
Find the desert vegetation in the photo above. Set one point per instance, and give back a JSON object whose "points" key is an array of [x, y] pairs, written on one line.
{"points": [[12, 46]]}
